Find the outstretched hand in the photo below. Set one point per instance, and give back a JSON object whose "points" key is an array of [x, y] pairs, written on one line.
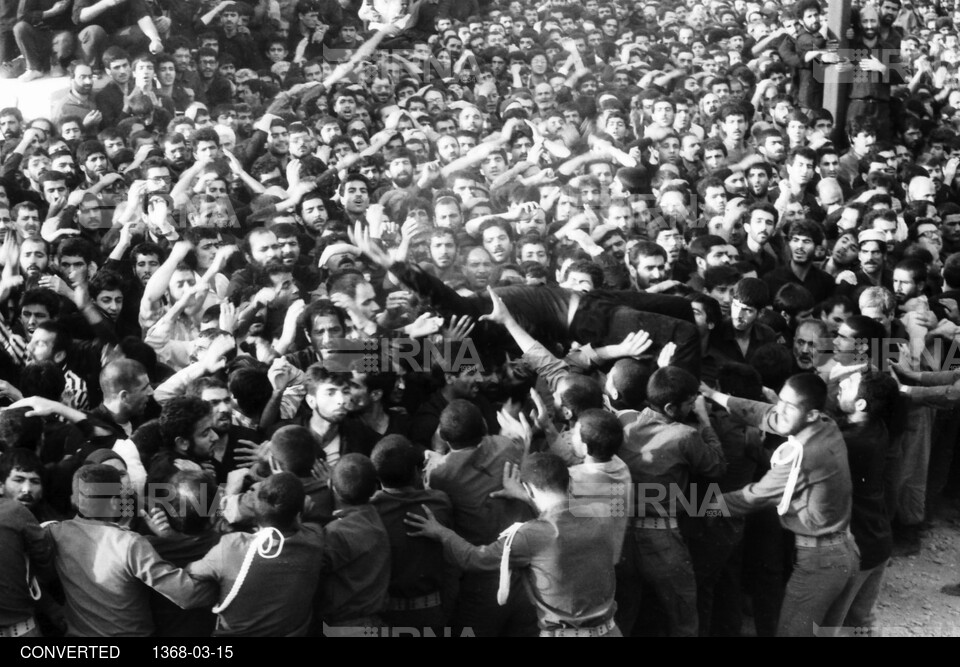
{"points": [[362, 238], [500, 313]]}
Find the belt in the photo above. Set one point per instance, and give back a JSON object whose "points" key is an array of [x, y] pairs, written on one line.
{"points": [[658, 523], [411, 604], [18, 629], [828, 540], [593, 631]]}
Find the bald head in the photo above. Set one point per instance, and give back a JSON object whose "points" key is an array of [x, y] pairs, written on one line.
{"points": [[829, 192], [922, 188], [121, 375]]}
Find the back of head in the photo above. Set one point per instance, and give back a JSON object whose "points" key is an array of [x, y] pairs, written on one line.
{"points": [[740, 380], [546, 472], [879, 390], [867, 329], [951, 271], [251, 389], [774, 363], [601, 433], [97, 492], [18, 430], [294, 449], [192, 502], [671, 385], [630, 378], [580, 393], [462, 424], [120, 375], [280, 499], [811, 390], [354, 479], [396, 461], [42, 378]]}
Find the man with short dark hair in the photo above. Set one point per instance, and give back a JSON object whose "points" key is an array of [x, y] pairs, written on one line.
{"points": [[470, 474], [809, 483], [417, 566], [568, 560], [803, 238], [740, 336], [659, 556], [273, 597], [25, 552], [107, 571], [355, 564]]}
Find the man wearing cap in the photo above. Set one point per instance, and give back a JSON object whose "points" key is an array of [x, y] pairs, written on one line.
{"points": [[809, 483]]}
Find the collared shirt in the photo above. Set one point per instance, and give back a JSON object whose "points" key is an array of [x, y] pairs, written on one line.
{"points": [[276, 596], [417, 565], [604, 490], [662, 455], [107, 571], [356, 566], [822, 498], [21, 538], [568, 565]]}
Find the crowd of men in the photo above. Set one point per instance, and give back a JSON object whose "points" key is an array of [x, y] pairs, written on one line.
{"points": [[573, 319]]}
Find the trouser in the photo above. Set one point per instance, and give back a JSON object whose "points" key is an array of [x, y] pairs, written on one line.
{"points": [[39, 47], [946, 427], [914, 444], [818, 590], [94, 39], [479, 613], [878, 110], [8, 45], [727, 617], [764, 568], [712, 543], [664, 564], [629, 586], [861, 601], [8, 17]]}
